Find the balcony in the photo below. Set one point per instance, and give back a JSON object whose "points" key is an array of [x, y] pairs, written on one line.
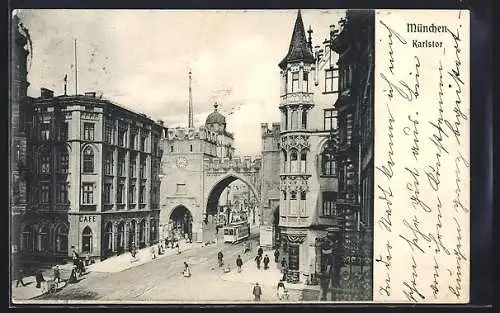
{"points": [[120, 206], [107, 207], [88, 208], [294, 221], [296, 98]]}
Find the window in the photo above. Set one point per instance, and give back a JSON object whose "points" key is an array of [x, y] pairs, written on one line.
{"points": [[63, 132], [88, 131], [133, 139], [329, 203], [62, 193], [87, 240], [345, 79], [62, 239], [304, 119], [294, 162], [143, 144], [63, 162], [122, 137], [45, 130], [303, 161], [121, 165], [108, 236], [132, 166], [302, 204], [328, 164], [45, 162], [171, 148], [293, 257], [43, 237], [109, 133], [119, 193], [295, 81], [191, 148], [330, 119], [154, 148], [45, 193], [331, 80], [108, 163], [88, 160], [131, 193], [285, 161], [305, 82], [107, 193], [293, 203], [28, 238], [143, 169], [295, 121], [142, 189], [87, 193], [285, 115]]}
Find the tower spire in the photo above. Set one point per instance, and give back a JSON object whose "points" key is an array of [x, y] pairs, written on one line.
{"points": [[190, 110], [299, 49]]}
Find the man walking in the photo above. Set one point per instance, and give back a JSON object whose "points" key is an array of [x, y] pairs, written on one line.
{"points": [[257, 292], [266, 262], [239, 263], [276, 256], [260, 251], [257, 260]]}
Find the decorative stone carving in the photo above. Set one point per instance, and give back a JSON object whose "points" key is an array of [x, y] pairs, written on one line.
{"points": [[243, 164], [295, 238], [294, 183], [299, 142]]}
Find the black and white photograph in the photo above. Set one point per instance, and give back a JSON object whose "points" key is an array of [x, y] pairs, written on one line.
{"points": [[196, 156]]}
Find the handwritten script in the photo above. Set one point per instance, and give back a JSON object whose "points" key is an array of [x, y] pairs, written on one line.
{"points": [[422, 167]]}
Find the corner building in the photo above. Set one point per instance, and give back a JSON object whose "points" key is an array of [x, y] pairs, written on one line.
{"points": [[95, 183], [308, 171]]}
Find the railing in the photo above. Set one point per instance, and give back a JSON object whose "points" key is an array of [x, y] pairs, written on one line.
{"points": [[293, 220], [297, 98], [238, 164]]}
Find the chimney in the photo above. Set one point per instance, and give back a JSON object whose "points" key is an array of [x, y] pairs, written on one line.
{"points": [[46, 93], [90, 94]]}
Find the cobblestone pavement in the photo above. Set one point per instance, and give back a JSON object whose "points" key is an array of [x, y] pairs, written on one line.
{"points": [[161, 280]]}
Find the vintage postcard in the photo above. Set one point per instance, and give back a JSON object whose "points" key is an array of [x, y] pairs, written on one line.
{"points": [[239, 156]]}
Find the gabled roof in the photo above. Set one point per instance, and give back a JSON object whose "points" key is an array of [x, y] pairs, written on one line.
{"points": [[299, 48]]}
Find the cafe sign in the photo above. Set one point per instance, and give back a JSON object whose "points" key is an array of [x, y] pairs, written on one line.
{"points": [[88, 219]]}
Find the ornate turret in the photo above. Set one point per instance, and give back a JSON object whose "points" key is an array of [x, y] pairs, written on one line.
{"points": [[300, 49]]}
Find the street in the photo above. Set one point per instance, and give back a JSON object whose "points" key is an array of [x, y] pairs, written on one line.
{"points": [[162, 280]]}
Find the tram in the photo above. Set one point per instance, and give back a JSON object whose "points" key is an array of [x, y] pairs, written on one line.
{"points": [[236, 231]]}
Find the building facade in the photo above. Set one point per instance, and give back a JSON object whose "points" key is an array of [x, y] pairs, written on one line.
{"points": [[20, 116], [355, 47], [95, 178], [308, 184]]}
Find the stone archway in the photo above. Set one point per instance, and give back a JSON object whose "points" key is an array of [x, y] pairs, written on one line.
{"points": [[181, 222], [209, 224]]}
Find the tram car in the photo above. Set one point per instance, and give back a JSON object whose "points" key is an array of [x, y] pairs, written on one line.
{"points": [[236, 232]]}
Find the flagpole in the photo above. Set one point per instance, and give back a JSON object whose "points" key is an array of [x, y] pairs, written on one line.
{"points": [[76, 72]]}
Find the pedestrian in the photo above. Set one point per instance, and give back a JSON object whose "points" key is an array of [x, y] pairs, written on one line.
{"points": [[178, 248], [187, 271], [257, 292], [257, 260], [153, 252], [57, 274], [276, 256], [283, 265], [266, 262], [260, 251], [239, 263], [220, 257], [74, 255], [39, 279], [72, 276], [19, 278], [247, 247], [281, 290]]}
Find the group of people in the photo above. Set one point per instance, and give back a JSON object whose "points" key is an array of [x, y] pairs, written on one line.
{"points": [[281, 291]]}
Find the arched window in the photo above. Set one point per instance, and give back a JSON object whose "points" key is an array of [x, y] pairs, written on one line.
{"points": [[63, 161], [27, 238], [108, 236], [43, 239], [303, 161], [285, 161], [304, 119], [295, 122], [120, 236], [285, 119], [131, 234], [62, 239], [302, 204], [293, 203], [328, 164], [88, 160], [87, 240], [294, 162], [142, 233]]}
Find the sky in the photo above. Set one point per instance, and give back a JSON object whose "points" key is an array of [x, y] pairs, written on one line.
{"points": [[140, 60]]}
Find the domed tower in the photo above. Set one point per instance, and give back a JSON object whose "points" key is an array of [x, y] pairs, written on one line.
{"points": [[216, 122]]}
